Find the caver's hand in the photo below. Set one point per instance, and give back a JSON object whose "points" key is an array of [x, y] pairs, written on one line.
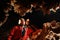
{"points": [[36, 34]]}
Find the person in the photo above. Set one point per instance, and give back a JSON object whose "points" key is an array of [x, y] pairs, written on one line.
{"points": [[29, 30], [20, 32], [16, 31]]}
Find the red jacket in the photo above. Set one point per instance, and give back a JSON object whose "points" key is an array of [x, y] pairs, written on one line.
{"points": [[16, 34]]}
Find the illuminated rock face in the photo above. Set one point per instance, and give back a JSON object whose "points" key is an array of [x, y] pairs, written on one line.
{"points": [[21, 6]]}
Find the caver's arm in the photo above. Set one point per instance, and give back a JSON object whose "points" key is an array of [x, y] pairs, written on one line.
{"points": [[12, 32]]}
